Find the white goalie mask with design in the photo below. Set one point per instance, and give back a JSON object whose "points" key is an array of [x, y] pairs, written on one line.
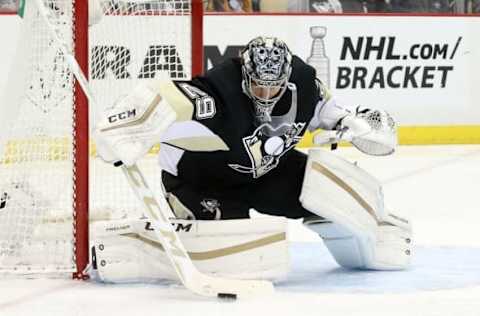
{"points": [[266, 69]]}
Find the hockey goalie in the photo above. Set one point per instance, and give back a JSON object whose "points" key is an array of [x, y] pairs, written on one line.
{"points": [[228, 146]]}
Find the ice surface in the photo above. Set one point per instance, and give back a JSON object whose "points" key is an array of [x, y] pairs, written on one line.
{"points": [[436, 186], [433, 268]]}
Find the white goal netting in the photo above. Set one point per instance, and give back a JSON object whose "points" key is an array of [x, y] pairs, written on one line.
{"points": [[128, 41]]}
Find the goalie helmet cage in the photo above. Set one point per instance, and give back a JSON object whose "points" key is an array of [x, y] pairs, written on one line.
{"points": [[50, 178]]}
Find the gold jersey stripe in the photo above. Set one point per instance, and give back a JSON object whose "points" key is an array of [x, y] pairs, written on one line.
{"points": [[177, 100]]}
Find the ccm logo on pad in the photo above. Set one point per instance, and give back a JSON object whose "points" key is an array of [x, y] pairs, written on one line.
{"points": [[122, 116]]}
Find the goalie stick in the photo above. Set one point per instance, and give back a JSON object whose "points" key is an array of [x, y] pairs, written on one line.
{"points": [[188, 274]]}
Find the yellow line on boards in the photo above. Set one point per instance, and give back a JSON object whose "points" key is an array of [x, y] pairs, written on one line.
{"points": [[425, 135], [60, 148]]}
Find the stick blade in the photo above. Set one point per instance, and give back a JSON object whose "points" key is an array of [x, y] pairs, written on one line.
{"points": [[215, 287]]}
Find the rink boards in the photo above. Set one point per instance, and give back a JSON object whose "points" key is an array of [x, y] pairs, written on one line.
{"points": [[422, 69]]}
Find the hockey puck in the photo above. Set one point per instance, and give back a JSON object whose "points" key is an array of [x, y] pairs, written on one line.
{"points": [[118, 163], [227, 296]]}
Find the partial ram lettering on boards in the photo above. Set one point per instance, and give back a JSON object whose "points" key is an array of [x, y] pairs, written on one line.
{"points": [[114, 62]]}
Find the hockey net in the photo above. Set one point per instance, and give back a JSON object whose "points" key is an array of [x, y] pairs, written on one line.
{"points": [[50, 178]]}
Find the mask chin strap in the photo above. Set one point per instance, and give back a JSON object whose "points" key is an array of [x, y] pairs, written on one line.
{"points": [[263, 108], [264, 113]]}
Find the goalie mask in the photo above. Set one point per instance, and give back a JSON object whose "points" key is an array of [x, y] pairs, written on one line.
{"points": [[266, 68]]}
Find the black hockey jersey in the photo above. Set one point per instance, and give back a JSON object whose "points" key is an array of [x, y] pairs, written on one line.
{"points": [[254, 150]]}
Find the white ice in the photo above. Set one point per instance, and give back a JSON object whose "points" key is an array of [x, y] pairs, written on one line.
{"points": [[436, 186]]}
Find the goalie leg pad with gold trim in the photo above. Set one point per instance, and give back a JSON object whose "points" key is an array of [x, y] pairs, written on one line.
{"points": [[355, 226], [127, 250]]}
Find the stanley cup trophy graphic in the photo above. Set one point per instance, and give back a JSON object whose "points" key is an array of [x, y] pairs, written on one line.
{"points": [[318, 59]]}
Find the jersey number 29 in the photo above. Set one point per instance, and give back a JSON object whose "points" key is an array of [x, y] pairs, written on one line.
{"points": [[204, 104]]}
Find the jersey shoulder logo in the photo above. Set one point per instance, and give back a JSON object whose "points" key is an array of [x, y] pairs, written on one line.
{"points": [[267, 145], [204, 104]]}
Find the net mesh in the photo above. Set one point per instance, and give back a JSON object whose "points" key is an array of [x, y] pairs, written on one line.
{"points": [[129, 41], [36, 168], [152, 40]]}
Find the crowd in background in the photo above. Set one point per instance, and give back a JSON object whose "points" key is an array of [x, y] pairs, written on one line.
{"points": [[8, 5], [324, 6], [345, 6]]}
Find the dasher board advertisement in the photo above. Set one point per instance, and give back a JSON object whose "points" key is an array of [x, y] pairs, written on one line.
{"points": [[423, 70]]}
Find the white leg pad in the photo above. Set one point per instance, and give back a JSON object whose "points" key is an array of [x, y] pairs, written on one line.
{"points": [[124, 260], [128, 251], [390, 249], [355, 226]]}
